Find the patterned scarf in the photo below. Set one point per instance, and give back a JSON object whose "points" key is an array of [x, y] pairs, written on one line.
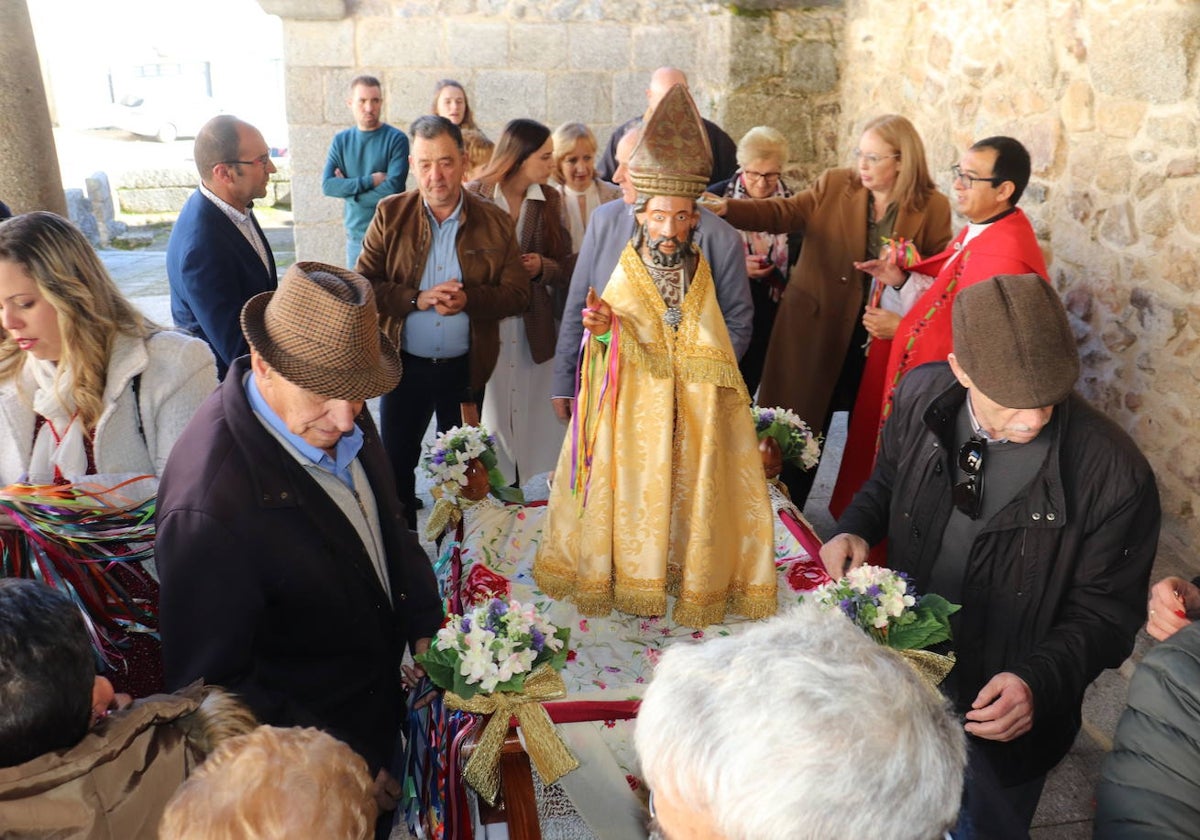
{"points": [[773, 245]]}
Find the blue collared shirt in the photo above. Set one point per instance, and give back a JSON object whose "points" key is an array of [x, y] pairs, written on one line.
{"points": [[427, 333], [344, 452]]}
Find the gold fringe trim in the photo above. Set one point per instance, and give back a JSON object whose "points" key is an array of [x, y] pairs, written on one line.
{"points": [[655, 363], [715, 371], [754, 606], [638, 602], [696, 615]]}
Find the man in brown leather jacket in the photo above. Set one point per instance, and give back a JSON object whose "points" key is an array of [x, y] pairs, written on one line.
{"points": [[446, 267]]}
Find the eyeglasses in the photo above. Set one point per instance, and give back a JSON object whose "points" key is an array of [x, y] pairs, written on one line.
{"points": [[263, 160], [655, 830], [870, 157], [968, 493], [767, 177], [968, 181]]}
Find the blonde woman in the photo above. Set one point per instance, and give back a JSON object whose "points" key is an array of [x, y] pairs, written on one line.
{"points": [[575, 177], [89, 388]]}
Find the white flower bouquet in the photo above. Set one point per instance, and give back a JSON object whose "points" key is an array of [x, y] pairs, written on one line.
{"points": [[446, 462], [493, 648], [796, 440], [885, 604]]}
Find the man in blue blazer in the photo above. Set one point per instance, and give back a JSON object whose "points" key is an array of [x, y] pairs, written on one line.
{"points": [[217, 256], [610, 228]]}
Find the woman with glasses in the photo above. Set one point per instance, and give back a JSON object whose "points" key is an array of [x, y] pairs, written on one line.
{"points": [[761, 155], [818, 347], [516, 403], [91, 392]]}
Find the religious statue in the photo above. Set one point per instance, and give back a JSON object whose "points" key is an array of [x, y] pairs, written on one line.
{"points": [[659, 488]]}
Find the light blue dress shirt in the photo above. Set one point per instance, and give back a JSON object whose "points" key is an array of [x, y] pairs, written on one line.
{"points": [[344, 452], [426, 333]]}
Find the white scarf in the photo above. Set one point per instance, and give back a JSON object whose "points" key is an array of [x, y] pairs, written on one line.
{"points": [[60, 440]]}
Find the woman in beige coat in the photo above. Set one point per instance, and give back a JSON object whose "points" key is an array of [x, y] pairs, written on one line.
{"points": [[815, 357]]}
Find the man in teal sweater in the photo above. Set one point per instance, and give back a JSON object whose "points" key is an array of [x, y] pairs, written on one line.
{"points": [[365, 163]]}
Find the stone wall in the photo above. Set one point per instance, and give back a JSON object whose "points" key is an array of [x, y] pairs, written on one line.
{"points": [[585, 60], [1105, 95]]}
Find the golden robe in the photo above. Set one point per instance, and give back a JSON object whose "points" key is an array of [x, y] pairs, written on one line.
{"points": [[678, 500]]}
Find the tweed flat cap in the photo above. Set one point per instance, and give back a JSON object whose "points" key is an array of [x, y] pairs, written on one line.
{"points": [[320, 330], [1012, 337]]}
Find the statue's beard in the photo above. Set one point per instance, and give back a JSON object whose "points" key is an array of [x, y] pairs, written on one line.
{"points": [[663, 259]]}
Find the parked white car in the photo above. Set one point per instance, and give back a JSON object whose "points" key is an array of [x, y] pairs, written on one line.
{"points": [[165, 118]]}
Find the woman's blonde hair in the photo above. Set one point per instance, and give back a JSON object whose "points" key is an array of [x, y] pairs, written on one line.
{"points": [[275, 784], [92, 311], [565, 137], [914, 184], [760, 142]]}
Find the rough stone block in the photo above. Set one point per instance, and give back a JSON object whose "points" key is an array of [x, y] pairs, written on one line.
{"points": [[752, 54], [1175, 130], [599, 46], [408, 93], [663, 46], [1120, 117], [477, 44], [540, 46], [1187, 204], [304, 89], [79, 209], [398, 42], [1117, 225], [1076, 109], [153, 199], [512, 92], [318, 44], [1182, 167], [812, 67], [1143, 55], [321, 242], [629, 95], [578, 96], [311, 205]]}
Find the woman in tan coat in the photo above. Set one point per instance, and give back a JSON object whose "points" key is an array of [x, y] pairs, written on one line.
{"points": [[815, 357]]}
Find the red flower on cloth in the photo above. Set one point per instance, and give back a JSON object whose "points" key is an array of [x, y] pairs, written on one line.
{"points": [[806, 574], [483, 585]]}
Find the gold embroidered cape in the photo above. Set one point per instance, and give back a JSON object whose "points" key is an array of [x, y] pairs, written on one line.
{"points": [[678, 499]]}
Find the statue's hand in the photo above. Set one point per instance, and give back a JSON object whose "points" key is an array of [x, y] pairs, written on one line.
{"points": [[597, 315]]}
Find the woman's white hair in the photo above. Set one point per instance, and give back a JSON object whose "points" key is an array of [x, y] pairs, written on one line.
{"points": [[802, 727], [760, 142]]}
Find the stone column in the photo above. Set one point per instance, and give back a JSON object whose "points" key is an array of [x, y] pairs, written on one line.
{"points": [[29, 174]]}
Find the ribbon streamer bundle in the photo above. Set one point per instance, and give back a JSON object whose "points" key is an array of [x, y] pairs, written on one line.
{"points": [[75, 539]]}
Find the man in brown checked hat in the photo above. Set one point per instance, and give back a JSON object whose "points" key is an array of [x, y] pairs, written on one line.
{"points": [[659, 488], [288, 573]]}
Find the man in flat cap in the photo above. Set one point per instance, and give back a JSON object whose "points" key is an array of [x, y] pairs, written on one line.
{"points": [[289, 575], [1002, 490], [659, 488]]}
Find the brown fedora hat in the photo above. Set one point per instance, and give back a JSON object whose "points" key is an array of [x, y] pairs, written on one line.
{"points": [[320, 330]]}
